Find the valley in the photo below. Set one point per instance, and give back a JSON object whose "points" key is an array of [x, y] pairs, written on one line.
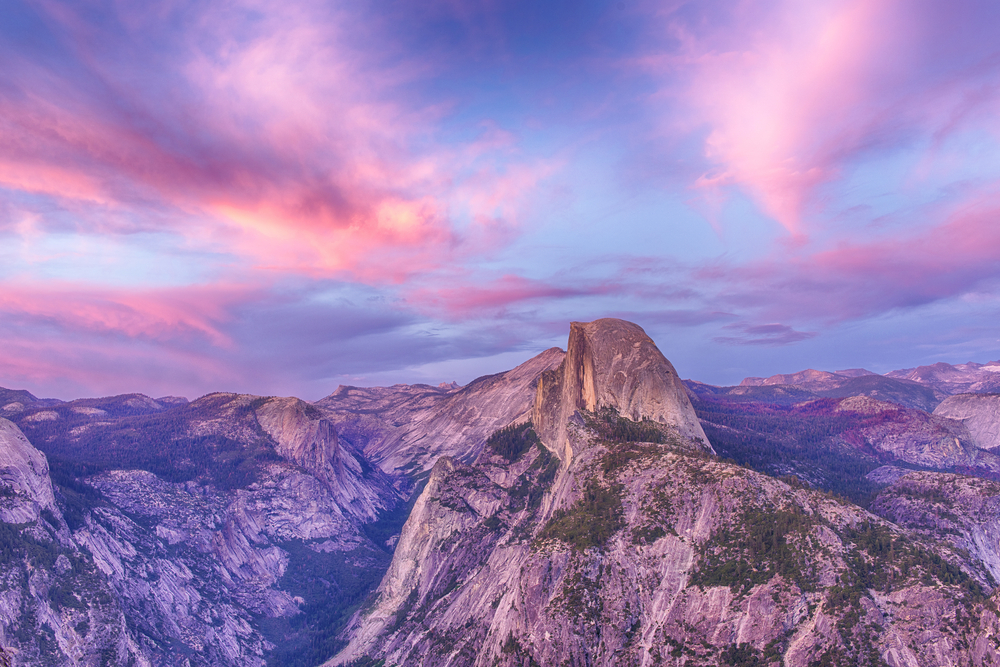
{"points": [[587, 507]]}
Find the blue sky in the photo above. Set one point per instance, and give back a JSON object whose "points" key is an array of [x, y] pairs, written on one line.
{"points": [[247, 196]]}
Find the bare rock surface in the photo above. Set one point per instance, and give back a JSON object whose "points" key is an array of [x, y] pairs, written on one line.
{"points": [[951, 379], [980, 413], [915, 436], [638, 553], [964, 511], [24, 471], [305, 437], [611, 363], [406, 428]]}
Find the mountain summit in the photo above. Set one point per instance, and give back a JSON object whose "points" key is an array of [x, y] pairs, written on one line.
{"points": [[611, 363]]}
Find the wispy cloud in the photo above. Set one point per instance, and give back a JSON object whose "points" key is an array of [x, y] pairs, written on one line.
{"points": [[794, 94]]}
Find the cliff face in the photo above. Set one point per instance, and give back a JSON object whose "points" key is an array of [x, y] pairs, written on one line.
{"points": [[56, 607], [980, 413], [636, 546], [254, 517], [24, 475], [304, 436], [407, 428], [963, 511], [611, 363], [640, 553]]}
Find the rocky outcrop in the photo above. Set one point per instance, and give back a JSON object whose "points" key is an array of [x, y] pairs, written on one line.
{"points": [[406, 428], [955, 379], [643, 553], [964, 511], [980, 413], [914, 436], [24, 476], [304, 436], [611, 363]]}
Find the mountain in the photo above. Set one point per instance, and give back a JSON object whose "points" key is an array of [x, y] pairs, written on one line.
{"points": [[810, 379], [607, 533], [797, 387], [980, 413], [613, 364], [404, 429], [970, 377], [234, 529], [922, 387], [586, 507], [227, 531]]}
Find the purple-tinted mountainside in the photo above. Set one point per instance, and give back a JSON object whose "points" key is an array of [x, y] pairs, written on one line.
{"points": [[585, 507]]}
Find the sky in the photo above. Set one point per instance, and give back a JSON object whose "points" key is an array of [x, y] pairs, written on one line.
{"points": [[281, 197]]}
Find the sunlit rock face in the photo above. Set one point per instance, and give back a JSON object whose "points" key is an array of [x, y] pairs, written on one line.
{"points": [[980, 413], [24, 474], [303, 435], [406, 428], [611, 363], [638, 553]]}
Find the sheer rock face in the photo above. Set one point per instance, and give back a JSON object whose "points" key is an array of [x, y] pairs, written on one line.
{"points": [[611, 363], [406, 428], [964, 511], [979, 412], [304, 437], [24, 471], [702, 559]]}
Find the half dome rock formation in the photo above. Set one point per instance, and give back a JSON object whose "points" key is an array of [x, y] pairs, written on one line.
{"points": [[612, 363], [979, 412]]}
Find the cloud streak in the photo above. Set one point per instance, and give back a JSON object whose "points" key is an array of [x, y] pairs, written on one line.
{"points": [[792, 95]]}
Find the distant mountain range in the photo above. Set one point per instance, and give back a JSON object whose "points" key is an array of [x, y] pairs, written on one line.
{"points": [[584, 508], [943, 379]]}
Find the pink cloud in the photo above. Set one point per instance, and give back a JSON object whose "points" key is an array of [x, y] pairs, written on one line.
{"points": [[471, 300], [293, 144], [863, 278], [161, 315], [791, 93]]}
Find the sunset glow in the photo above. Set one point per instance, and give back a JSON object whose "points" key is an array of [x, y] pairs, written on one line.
{"points": [[282, 197]]}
